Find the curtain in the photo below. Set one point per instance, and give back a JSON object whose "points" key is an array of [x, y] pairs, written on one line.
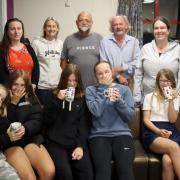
{"points": [[133, 10], [178, 25]]}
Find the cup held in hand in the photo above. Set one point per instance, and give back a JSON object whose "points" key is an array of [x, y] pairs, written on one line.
{"points": [[70, 93], [168, 92], [15, 125], [108, 92]]}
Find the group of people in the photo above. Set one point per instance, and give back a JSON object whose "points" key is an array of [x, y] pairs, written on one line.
{"points": [[74, 100]]}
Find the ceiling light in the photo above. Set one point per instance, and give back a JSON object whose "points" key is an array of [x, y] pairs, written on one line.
{"points": [[148, 1]]}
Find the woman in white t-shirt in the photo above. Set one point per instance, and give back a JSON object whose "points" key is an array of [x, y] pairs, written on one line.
{"points": [[160, 110]]}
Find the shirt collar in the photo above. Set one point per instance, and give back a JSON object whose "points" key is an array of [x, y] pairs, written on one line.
{"points": [[126, 39]]}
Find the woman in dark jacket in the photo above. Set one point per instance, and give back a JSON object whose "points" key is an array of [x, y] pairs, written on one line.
{"points": [[16, 53], [67, 127], [23, 146]]}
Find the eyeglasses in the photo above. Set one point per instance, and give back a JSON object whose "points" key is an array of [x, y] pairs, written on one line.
{"points": [[165, 81]]}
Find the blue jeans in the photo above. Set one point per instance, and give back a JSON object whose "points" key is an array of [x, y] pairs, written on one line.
{"points": [[43, 95]]}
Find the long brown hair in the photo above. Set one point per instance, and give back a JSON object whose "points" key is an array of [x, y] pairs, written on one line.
{"points": [[3, 111], [6, 42], [21, 74], [63, 83]]}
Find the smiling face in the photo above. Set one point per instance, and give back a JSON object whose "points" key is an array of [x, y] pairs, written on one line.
{"points": [[51, 30], [119, 26], [161, 31], [84, 22], [18, 85], [164, 82], [15, 31]]}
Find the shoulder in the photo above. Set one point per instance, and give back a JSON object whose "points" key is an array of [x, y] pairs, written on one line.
{"points": [[174, 44], [59, 42], [91, 88], [36, 40], [131, 39], [97, 35], [71, 36], [150, 96], [107, 38], [29, 48], [148, 45], [123, 88]]}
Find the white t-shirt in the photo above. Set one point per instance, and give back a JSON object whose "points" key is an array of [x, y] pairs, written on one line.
{"points": [[159, 110]]}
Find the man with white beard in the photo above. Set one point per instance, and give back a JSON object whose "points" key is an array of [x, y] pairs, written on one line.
{"points": [[82, 48]]}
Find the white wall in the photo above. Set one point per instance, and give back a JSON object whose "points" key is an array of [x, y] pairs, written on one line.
{"points": [[34, 12]]}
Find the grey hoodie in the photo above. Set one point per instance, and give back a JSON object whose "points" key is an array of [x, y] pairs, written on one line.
{"points": [[151, 62]]}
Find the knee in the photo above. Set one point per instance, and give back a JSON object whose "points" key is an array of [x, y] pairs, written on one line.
{"points": [[27, 176], [174, 147], [48, 173]]}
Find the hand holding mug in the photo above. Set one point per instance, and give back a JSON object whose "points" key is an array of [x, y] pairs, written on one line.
{"points": [[112, 93], [61, 94], [168, 93], [15, 131]]}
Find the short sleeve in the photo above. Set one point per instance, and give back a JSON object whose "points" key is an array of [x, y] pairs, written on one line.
{"points": [[147, 102]]}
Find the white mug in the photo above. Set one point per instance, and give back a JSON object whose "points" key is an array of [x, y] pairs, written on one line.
{"points": [[168, 92], [70, 93], [15, 125]]}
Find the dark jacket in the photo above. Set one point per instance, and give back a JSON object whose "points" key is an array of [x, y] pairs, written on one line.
{"points": [[64, 127], [29, 113], [4, 73]]}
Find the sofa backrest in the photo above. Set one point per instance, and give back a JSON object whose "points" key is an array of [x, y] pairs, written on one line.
{"points": [[135, 125]]}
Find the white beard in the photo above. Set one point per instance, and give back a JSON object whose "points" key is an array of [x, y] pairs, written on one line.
{"points": [[84, 29]]}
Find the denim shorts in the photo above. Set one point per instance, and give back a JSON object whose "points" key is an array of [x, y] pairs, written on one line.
{"points": [[149, 136]]}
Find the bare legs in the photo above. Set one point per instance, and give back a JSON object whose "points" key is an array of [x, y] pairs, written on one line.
{"points": [[32, 156], [172, 155], [167, 168]]}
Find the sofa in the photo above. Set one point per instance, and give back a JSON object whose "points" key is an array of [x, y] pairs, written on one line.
{"points": [[147, 165]]}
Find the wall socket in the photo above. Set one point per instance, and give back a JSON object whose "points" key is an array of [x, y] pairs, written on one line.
{"points": [[67, 3]]}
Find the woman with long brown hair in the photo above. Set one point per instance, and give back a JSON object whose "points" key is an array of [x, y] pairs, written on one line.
{"points": [[66, 118], [160, 111], [22, 144], [16, 53]]}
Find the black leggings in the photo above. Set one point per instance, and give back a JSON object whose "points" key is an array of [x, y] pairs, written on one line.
{"points": [[68, 169], [120, 149]]}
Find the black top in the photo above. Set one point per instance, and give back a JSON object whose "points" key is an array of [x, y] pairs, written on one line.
{"points": [[64, 127], [29, 113], [4, 73]]}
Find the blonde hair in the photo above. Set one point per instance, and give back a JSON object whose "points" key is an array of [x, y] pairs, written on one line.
{"points": [[125, 19], [158, 91], [45, 24], [3, 110]]}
